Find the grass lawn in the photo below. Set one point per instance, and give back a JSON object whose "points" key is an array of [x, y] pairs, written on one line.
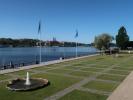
{"points": [[92, 69], [79, 64], [4, 77], [126, 65], [82, 74], [81, 95], [72, 67], [129, 63], [111, 77], [57, 83], [63, 71], [103, 86], [80, 69], [119, 72], [22, 73], [124, 68], [99, 66], [57, 65]]}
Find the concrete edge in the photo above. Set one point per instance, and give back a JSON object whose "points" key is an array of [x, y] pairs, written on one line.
{"points": [[124, 91], [43, 64]]}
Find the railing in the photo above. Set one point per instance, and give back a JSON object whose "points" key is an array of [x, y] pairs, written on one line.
{"points": [[13, 65]]}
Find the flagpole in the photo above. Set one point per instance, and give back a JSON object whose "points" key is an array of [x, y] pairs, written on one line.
{"points": [[76, 43], [40, 51], [76, 49], [64, 49]]}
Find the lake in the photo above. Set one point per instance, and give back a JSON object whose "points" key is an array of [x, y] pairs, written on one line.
{"points": [[31, 55]]}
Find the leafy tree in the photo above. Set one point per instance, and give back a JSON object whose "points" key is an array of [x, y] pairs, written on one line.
{"points": [[102, 41], [122, 38]]}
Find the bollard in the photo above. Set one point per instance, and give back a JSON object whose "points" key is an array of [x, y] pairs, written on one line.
{"points": [[60, 58]]}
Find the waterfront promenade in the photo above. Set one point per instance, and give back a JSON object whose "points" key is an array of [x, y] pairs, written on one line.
{"points": [[42, 64]]}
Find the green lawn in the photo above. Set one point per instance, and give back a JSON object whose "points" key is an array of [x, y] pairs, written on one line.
{"points": [[99, 66], [57, 83], [119, 72], [80, 95], [82, 74], [124, 68], [4, 77], [126, 65], [103, 86], [111, 77], [63, 71], [76, 70], [92, 69], [22, 73], [73, 67]]}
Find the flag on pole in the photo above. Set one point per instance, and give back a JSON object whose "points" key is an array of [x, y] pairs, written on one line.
{"points": [[39, 32], [76, 35], [39, 27]]}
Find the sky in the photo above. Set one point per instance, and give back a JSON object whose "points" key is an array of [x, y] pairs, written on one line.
{"points": [[61, 18]]}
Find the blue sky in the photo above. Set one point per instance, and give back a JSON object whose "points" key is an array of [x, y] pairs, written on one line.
{"points": [[61, 18]]}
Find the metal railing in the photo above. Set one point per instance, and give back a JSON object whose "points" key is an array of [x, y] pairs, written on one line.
{"points": [[12, 65]]}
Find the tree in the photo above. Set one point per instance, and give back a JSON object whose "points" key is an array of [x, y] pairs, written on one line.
{"points": [[122, 38], [102, 41]]}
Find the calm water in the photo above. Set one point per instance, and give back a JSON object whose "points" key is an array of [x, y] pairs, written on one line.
{"points": [[30, 55]]}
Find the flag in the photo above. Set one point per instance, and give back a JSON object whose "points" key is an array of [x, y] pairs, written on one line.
{"points": [[39, 27], [76, 35]]}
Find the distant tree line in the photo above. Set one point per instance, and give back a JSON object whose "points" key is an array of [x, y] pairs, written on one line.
{"points": [[18, 42], [8, 42]]}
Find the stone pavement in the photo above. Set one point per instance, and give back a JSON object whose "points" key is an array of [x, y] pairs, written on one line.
{"points": [[42, 64], [124, 91]]}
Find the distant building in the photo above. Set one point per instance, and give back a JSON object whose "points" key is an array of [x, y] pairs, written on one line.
{"points": [[54, 39]]}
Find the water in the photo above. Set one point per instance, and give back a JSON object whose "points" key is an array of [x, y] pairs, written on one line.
{"points": [[31, 55]]}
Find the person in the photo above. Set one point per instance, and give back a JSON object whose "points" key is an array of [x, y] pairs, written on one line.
{"points": [[11, 64]]}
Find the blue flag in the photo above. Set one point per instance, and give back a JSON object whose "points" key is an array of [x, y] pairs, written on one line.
{"points": [[76, 35], [39, 27]]}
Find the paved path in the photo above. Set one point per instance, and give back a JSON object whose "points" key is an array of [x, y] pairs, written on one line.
{"points": [[124, 91], [42, 64]]}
